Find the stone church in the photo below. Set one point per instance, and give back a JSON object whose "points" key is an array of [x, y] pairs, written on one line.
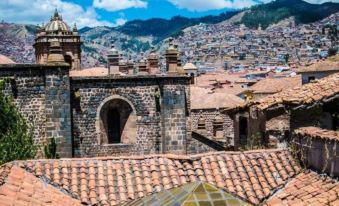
{"points": [[122, 109]]}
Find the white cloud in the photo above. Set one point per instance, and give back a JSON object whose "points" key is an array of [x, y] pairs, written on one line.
{"points": [[205, 5], [38, 11], [116, 5], [120, 21]]}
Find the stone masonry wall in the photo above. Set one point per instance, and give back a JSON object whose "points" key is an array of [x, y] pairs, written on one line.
{"points": [[209, 115], [58, 110], [37, 90], [140, 94], [175, 111]]}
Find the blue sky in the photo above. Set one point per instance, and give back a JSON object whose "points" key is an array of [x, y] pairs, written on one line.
{"points": [[116, 12]]}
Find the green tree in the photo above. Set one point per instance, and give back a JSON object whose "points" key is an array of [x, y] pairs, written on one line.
{"points": [[51, 149], [16, 142]]}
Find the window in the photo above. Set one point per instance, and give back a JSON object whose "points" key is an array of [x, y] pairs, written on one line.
{"points": [[117, 123]]}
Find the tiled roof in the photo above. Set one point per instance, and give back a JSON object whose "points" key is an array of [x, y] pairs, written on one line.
{"points": [[316, 132], [306, 94], [90, 72], [215, 100], [321, 66], [202, 98], [252, 175], [19, 188], [274, 85], [5, 60], [308, 189]]}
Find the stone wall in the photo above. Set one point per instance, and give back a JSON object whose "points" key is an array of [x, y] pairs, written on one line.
{"points": [[174, 112], [197, 147], [160, 128], [41, 94], [319, 154], [68, 109], [209, 116]]}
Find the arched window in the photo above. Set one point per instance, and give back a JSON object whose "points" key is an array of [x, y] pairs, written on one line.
{"points": [[117, 122], [69, 60]]}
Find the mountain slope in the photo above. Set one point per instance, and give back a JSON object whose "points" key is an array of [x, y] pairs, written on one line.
{"points": [[273, 12], [163, 28], [17, 42]]}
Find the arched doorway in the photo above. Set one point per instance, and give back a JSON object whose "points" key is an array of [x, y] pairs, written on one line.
{"points": [[68, 60], [116, 122]]}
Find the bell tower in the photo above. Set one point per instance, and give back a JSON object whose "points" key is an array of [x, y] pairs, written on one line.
{"points": [[69, 39]]}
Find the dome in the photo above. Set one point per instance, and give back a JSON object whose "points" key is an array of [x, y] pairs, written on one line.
{"points": [[57, 24]]}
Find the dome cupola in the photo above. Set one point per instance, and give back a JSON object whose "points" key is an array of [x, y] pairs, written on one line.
{"points": [[56, 24]]}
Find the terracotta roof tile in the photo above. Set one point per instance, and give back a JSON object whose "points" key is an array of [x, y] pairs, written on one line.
{"points": [[310, 93], [206, 99], [316, 132], [5, 60], [20, 187], [252, 175], [274, 85], [321, 66], [308, 188]]}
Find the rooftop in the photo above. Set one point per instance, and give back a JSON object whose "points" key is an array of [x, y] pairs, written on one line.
{"points": [[316, 132], [322, 66], [20, 187], [204, 99], [5, 60], [307, 188], [307, 94], [252, 176], [274, 85]]}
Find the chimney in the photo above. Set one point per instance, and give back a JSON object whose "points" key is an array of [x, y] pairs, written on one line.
{"points": [[130, 66], [171, 58], [55, 53], [143, 70], [113, 60], [123, 67], [153, 61]]}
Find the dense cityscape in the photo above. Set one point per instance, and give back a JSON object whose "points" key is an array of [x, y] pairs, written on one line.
{"points": [[236, 108]]}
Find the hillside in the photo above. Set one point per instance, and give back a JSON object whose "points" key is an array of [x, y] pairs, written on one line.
{"points": [[273, 12], [163, 28], [17, 42], [139, 35]]}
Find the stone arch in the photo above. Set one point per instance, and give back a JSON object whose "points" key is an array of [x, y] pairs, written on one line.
{"points": [[116, 121], [69, 58]]}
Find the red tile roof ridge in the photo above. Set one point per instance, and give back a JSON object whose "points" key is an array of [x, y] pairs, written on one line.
{"points": [[319, 90], [168, 156]]}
